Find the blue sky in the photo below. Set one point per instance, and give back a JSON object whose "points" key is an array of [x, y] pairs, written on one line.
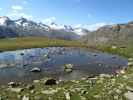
{"points": [[76, 12]]}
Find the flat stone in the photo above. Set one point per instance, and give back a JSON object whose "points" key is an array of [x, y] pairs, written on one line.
{"points": [[36, 81], [17, 90], [67, 95], [30, 87], [68, 70], [48, 92], [25, 98], [129, 88], [130, 63], [68, 66], [35, 69], [12, 84], [129, 95]]}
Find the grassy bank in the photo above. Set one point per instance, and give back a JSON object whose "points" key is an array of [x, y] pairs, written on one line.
{"points": [[35, 42]]}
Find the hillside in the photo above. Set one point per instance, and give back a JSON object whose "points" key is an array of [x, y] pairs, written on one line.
{"points": [[111, 34]]}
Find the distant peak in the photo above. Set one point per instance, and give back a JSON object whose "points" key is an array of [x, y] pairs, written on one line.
{"points": [[4, 20]]}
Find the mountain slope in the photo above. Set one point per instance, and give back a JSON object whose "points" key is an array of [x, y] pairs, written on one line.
{"points": [[23, 27], [111, 34]]}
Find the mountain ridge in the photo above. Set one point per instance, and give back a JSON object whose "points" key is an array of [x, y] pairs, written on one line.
{"points": [[24, 27]]}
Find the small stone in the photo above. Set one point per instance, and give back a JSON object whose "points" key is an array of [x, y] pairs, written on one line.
{"points": [[118, 91], [36, 81], [122, 71], [12, 84], [32, 91], [30, 87], [97, 96], [83, 98], [130, 59], [130, 63], [68, 68], [116, 97], [25, 98], [35, 69], [48, 92], [84, 92], [50, 82], [19, 96], [105, 76], [129, 95], [17, 90], [114, 47], [67, 95], [91, 76], [129, 88]]}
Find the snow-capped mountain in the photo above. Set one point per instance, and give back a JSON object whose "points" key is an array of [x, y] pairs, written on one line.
{"points": [[24, 27]]}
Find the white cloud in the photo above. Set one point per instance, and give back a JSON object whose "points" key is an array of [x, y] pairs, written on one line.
{"points": [[92, 27], [17, 7], [19, 15], [95, 26], [49, 20], [0, 9]]}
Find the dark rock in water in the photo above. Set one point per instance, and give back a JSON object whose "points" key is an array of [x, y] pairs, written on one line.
{"points": [[95, 55], [35, 69], [114, 57], [51, 82], [21, 54]]}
